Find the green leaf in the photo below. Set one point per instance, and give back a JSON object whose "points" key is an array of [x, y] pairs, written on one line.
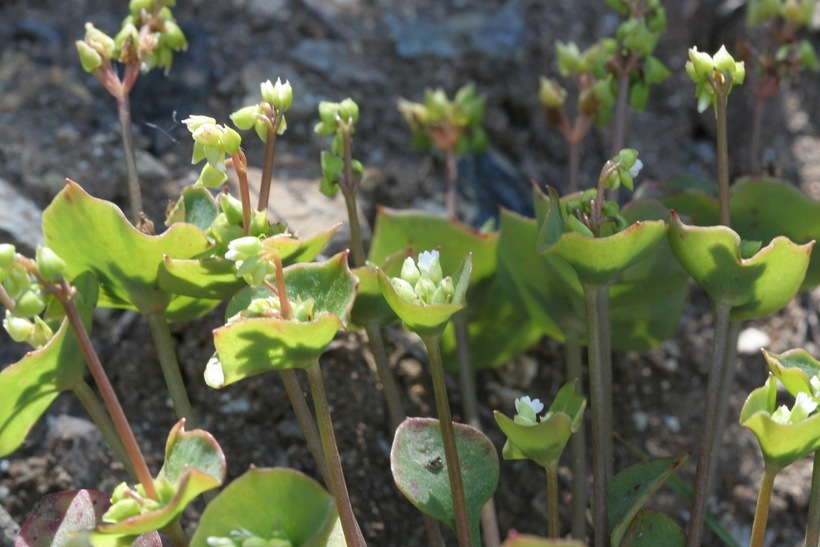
{"points": [[195, 206], [597, 261], [252, 346], [428, 319], [795, 369], [754, 287], [763, 209], [265, 500], [545, 441], [650, 528], [397, 230], [58, 518], [194, 463], [525, 540], [631, 488], [31, 385], [215, 278], [92, 234], [782, 445], [420, 469]]}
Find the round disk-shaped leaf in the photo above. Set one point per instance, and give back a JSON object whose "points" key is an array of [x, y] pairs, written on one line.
{"points": [[754, 287], [526, 540], [544, 442], [31, 385], [420, 469], [252, 346], [781, 444], [194, 463], [650, 528], [262, 501], [92, 234], [597, 260], [426, 320]]}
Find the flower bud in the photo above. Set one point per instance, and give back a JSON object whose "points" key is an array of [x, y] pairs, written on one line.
{"points": [[214, 375], [404, 289], [303, 310], [349, 110], [760, 11], [568, 56], [89, 57], [126, 42], [807, 56], [231, 140], [7, 255], [42, 333], [17, 280], [244, 248], [173, 37], [259, 224], [50, 265], [136, 6], [19, 328], [724, 62], [29, 303], [409, 271], [211, 177], [100, 41], [799, 12], [245, 117], [429, 266], [232, 208], [551, 94], [280, 95], [424, 289], [444, 293], [194, 122], [699, 66], [527, 410]]}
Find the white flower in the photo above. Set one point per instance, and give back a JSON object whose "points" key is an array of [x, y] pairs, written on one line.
{"points": [[535, 404], [804, 405], [815, 385], [527, 410], [636, 168]]}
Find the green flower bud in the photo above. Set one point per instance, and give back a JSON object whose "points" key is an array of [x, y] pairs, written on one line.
{"points": [[638, 96], [799, 12], [349, 110], [100, 41], [195, 122], [244, 248], [19, 328], [569, 58], [126, 42], [173, 37], [404, 289], [430, 266], [17, 280], [89, 57], [654, 71], [327, 113], [700, 65], [50, 265], [232, 208], [223, 231], [30, 303], [761, 11], [551, 94], [281, 97], [136, 6], [724, 62], [574, 224], [211, 177], [424, 289], [231, 140], [246, 117], [409, 271], [259, 225], [303, 310], [8, 254], [444, 293], [42, 333]]}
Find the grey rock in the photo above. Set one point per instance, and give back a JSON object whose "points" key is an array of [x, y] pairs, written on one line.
{"points": [[19, 219], [77, 447], [262, 13], [8, 528], [333, 60], [499, 35]]}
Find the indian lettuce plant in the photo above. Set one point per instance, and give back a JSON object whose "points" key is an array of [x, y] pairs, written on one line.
{"points": [[586, 271]]}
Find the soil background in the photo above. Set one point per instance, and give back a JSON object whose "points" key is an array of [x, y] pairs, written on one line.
{"points": [[57, 122]]}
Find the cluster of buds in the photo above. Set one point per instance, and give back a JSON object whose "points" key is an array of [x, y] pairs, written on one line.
{"points": [[423, 283], [227, 225], [803, 407], [148, 38], [302, 311], [127, 502], [713, 75], [269, 114], [248, 253], [587, 214], [339, 120], [26, 298], [245, 538], [588, 70], [448, 125], [527, 411], [212, 142], [796, 12]]}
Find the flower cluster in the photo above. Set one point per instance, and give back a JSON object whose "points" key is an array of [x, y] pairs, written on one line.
{"points": [[804, 405], [713, 76], [127, 502], [796, 12], [26, 298], [339, 120], [423, 283], [527, 411], [269, 114], [212, 142]]}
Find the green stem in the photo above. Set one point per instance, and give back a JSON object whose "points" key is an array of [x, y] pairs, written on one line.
{"points": [[103, 422], [267, 165], [597, 393], [762, 509], [352, 533], [240, 166], [722, 159], [469, 401], [305, 419], [717, 377], [356, 243], [728, 385], [391, 391], [164, 343], [448, 438], [553, 524], [108, 395], [754, 139], [127, 134], [451, 199], [813, 527], [176, 534], [577, 442], [605, 336], [574, 165]]}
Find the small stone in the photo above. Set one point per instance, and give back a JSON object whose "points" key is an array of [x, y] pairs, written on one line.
{"points": [[19, 219], [751, 341], [672, 423], [150, 169], [641, 420]]}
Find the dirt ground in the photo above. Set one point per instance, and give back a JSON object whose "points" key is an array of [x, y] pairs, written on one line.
{"points": [[58, 122]]}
